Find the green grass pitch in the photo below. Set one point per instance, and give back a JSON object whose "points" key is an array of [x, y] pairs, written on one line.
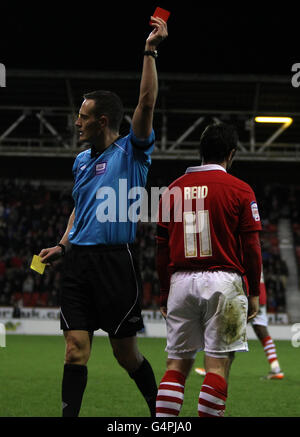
{"points": [[31, 371]]}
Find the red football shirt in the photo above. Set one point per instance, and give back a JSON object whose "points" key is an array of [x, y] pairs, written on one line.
{"points": [[204, 212]]}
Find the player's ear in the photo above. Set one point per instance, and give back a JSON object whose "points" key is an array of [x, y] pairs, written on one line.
{"points": [[103, 121]]}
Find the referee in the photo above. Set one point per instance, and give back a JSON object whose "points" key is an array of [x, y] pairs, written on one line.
{"points": [[100, 282]]}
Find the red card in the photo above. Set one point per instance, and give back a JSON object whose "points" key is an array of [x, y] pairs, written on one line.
{"points": [[161, 13]]}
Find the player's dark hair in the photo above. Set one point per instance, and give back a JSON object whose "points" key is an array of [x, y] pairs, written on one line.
{"points": [[109, 104], [217, 141]]}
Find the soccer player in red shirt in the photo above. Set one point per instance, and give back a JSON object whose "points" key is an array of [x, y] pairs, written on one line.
{"points": [[260, 327], [207, 242]]}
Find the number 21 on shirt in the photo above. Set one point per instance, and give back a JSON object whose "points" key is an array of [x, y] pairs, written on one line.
{"points": [[196, 225]]}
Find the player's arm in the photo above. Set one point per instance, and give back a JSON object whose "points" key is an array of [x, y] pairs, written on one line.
{"points": [[252, 262], [143, 115], [162, 262], [53, 253]]}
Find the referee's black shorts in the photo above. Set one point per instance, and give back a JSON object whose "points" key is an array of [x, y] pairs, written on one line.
{"points": [[101, 288]]}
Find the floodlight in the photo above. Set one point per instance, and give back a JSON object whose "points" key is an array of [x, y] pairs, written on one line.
{"points": [[286, 120]]}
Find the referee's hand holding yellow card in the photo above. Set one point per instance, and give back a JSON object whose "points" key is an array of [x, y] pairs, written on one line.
{"points": [[37, 265]]}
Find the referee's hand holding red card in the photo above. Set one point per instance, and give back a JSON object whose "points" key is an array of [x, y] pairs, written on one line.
{"points": [[159, 32]]}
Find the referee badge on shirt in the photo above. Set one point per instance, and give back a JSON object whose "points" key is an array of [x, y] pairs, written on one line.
{"points": [[100, 168], [255, 213]]}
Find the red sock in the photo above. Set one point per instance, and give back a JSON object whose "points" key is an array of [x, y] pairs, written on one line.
{"points": [[269, 348], [212, 396], [170, 394]]}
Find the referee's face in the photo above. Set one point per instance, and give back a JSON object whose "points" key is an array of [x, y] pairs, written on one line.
{"points": [[89, 127]]}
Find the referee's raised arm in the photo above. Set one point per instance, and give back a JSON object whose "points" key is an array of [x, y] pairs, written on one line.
{"points": [[143, 114]]}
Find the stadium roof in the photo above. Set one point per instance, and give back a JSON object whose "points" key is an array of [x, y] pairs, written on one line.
{"points": [[38, 109], [220, 62]]}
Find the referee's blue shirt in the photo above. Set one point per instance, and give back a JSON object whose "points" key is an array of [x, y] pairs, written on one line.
{"points": [[101, 209]]}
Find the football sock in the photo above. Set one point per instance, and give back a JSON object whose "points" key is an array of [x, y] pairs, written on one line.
{"points": [[145, 381], [212, 396], [170, 394], [73, 386], [270, 351]]}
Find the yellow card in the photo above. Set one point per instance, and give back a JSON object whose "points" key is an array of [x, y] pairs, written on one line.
{"points": [[37, 265]]}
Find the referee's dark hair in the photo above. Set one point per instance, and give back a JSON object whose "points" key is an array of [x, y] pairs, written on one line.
{"points": [[217, 141], [109, 104]]}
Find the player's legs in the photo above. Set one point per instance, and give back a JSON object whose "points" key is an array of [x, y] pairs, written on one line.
{"points": [[213, 393], [171, 389], [184, 338], [260, 327], [77, 353], [261, 331], [129, 357], [206, 310], [219, 366], [180, 365], [202, 370], [225, 333], [267, 343]]}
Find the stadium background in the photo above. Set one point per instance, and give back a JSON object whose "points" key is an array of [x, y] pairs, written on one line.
{"points": [[219, 63]]}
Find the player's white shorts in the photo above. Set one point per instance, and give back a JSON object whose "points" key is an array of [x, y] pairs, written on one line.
{"points": [[261, 318], [206, 311]]}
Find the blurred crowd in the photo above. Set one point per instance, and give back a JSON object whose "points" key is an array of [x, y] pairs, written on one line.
{"points": [[33, 217]]}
